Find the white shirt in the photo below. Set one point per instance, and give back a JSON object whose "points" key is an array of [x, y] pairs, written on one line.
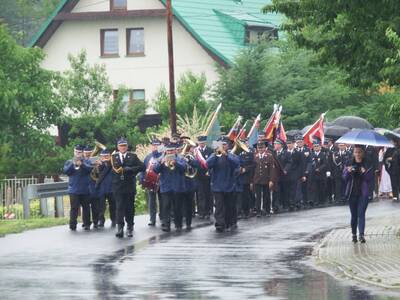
{"points": [[122, 157]]}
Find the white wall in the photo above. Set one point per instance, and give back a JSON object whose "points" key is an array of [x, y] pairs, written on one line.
{"points": [[148, 72], [104, 5]]}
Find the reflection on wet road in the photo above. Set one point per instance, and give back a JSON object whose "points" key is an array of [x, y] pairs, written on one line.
{"points": [[264, 259], [259, 261]]}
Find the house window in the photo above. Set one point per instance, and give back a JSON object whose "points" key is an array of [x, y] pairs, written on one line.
{"points": [[109, 42], [138, 95], [256, 35], [118, 4], [134, 41]]}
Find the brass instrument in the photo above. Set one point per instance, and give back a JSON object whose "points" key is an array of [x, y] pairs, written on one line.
{"points": [[118, 170], [239, 147], [169, 161], [190, 172], [75, 160], [220, 151], [95, 158]]}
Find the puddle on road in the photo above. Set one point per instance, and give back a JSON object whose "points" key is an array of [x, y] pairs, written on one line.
{"points": [[205, 265]]}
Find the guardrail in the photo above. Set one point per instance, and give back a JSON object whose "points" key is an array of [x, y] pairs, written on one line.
{"points": [[42, 191]]}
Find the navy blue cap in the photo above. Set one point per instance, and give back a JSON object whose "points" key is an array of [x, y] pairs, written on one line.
{"points": [[78, 148], [105, 152], [88, 149], [317, 142], [122, 141], [279, 141], [156, 142], [170, 146], [202, 138], [262, 142], [289, 140]]}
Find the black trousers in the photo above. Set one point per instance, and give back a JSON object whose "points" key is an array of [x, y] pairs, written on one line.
{"points": [[282, 194], [152, 198], [187, 207], [245, 199], [394, 179], [94, 203], [263, 199], [125, 208], [204, 199], [172, 201], [76, 202], [102, 208], [317, 193], [224, 209], [339, 189]]}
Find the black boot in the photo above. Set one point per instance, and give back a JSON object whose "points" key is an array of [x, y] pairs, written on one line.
{"points": [[362, 239], [120, 232], [130, 232], [354, 239]]}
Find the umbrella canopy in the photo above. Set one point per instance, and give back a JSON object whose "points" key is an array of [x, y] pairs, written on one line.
{"points": [[293, 132], [397, 130], [353, 122], [336, 131], [391, 135], [304, 130], [365, 137]]}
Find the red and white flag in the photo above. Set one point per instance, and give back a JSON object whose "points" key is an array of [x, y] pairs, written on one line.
{"points": [[273, 123], [242, 133], [234, 132], [315, 131], [200, 158]]}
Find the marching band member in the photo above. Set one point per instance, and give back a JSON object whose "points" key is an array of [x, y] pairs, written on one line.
{"points": [[78, 171], [126, 165], [104, 187], [152, 192], [265, 176], [171, 168], [223, 167], [93, 192], [204, 196]]}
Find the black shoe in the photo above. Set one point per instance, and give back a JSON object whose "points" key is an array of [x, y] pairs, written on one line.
{"points": [[72, 228], [166, 228], [101, 225], [362, 239], [86, 228], [113, 224], [130, 233], [152, 224], [95, 226], [219, 229], [188, 227], [178, 229], [120, 232], [258, 215], [354, 239], [234, 227]]}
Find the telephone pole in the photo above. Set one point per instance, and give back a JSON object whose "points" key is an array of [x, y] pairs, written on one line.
{"points": [[172, 99]]}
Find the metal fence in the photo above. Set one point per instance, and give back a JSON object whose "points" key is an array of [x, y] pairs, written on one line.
{"points": [[11, 190]]}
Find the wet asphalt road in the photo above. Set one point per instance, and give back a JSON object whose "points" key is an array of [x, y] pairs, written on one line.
{"points": [[266, 258]]}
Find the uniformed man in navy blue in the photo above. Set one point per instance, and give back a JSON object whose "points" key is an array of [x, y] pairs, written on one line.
{"points": [[204, 196], [78, 171], [302, 180], [317, 175], [104, 187], [94, 200], [171, 168], [126, 165], [152, 194], [223, 167]]}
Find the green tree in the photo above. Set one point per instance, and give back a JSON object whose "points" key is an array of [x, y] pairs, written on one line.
{"points": [[84, 88], [349, 34], [192, 90]]}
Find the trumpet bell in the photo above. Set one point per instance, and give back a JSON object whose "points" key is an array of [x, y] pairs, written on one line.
{"points": [[98, 148]]}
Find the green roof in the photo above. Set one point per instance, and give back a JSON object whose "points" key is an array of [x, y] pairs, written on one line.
{"points": [[218, 25]]}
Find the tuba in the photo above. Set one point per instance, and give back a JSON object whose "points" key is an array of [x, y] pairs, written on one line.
{"points": [[190, 172]]}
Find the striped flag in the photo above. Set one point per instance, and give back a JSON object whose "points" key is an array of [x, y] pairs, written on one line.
{"points": [[213, 131], [200, 158], [242, 133], [316, 130], [273, 122], [253, 133], [234, 132]]}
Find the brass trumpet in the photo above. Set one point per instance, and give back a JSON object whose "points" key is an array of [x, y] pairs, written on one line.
{"points": [[240, 147], [190, 172], [95, 158], [220, 151], [170, 161]]}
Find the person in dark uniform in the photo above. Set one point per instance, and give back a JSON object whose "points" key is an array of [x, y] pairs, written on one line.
{"points": [[152, 194], [125, 165], [282, 191], [104, 187], [265, 176], [317, 171], [93, 192], [204, 196], [329, 182], [338, 160], [78, 171], [245, 179], [171, 168], [391, 159], [291, 173], [302, 181], [223, 167]]}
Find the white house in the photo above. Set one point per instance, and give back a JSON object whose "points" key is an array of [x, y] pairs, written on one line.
{"points": [[130, 37]]}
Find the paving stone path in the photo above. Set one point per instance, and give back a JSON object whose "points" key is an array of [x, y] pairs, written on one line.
{"points": [[376, 262]]}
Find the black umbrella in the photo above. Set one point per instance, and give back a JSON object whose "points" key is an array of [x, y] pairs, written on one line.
{"points": [[292, 133], [353, 122], [336, 131]]}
